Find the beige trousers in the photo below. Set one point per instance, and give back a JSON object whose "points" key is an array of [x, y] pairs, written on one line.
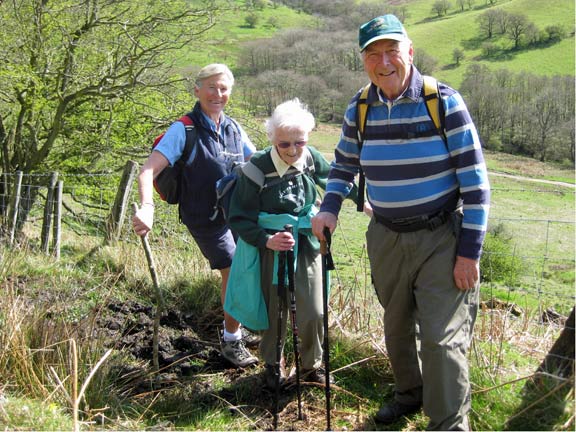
{"points": [[309, 310]]}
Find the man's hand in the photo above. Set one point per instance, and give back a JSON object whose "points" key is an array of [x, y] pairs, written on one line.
{"points": [[321, 220], [143, 220], [466, 273], [368, 209]]}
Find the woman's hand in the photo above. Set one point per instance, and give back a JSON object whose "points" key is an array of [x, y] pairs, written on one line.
{"points": [[281, 241]]}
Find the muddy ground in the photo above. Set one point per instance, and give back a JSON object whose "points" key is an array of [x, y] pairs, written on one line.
{"points": [[188, 347]]}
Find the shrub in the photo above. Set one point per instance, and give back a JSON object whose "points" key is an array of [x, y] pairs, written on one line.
{"points": [[499, 262]]}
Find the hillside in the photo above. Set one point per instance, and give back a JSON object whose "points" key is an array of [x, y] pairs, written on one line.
{"points": [[437, 37]]}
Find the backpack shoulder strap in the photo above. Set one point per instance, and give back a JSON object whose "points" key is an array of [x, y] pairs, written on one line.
{"points": [[434, 105], [362, 113], [190, 136], [253, 173], [361, 116]]}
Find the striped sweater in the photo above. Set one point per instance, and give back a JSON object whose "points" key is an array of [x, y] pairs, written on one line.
{"points": [[409, 169]]}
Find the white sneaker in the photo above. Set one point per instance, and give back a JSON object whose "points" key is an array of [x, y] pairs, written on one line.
{"points": [[236, 353]]}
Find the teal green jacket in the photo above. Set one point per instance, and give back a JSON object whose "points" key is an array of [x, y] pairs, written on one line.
{"points": [[244, 300]]}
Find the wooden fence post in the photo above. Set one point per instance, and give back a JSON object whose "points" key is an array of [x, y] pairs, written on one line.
{"points": [[57, 232], [118, 213], [48, 211], [14, 206]]}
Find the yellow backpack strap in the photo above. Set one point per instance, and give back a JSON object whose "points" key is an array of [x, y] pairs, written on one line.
{"points": [[362, 112], [434, 105]]}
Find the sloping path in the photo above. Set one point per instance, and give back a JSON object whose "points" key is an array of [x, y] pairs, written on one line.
{"points": [[517, 177]]}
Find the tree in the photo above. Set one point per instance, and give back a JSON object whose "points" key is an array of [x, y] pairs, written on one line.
{"points": [[487, 22], [424, 62], [251, 20], [458, 55], [489, 49], [518, 26], [75, 72], [555, 33], [440, 7], [502, 20], [73, 55]]}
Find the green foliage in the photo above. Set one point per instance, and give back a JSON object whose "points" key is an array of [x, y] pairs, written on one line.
{"points": [[499, 261], [69, 101]]}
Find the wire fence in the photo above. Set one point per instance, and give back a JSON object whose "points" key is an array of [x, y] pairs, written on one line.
{"points": [[542, 250]]}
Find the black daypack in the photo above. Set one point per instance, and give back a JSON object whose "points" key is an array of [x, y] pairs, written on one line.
{"points": [[168, 182], [225, 186]]}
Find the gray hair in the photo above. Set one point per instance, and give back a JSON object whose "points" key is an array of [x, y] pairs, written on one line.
{"points": [[211, 70], [291, 115]]}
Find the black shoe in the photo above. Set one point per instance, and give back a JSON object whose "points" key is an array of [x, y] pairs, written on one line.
{"points": [[394, 411], [315, 376], [270, 377]]}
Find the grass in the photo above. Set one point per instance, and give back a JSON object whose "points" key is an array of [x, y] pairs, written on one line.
{"points": [[527, 167], [439, 38]]}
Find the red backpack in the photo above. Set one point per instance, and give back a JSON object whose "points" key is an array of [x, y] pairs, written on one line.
{"points": [[167, 183]]}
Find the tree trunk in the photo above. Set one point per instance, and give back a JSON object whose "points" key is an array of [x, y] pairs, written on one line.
{"points": [[560, 359]]}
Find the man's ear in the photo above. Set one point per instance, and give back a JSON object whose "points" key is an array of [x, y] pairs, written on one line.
{"points": [[411, 53]]}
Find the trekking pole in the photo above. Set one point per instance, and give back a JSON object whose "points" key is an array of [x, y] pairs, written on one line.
{"points": [[327, 265], [290, 264], [159, 298], [281, 300]]}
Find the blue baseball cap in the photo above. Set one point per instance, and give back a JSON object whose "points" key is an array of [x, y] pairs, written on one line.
{"points": [[382, 27]]}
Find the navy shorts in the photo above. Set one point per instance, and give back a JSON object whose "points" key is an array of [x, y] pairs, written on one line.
{"points": [[216, 243]]}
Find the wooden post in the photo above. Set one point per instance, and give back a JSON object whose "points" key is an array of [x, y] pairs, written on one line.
{"points": [[118, 213], [15, 205], [57, 232], [48, 211]]}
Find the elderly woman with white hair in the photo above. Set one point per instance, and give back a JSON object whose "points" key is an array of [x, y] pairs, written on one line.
{"points": [[292, 171]]}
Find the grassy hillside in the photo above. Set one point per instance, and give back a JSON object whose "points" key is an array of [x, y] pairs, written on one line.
{"points": [[223, 42], [439, 38], [436, 36]]}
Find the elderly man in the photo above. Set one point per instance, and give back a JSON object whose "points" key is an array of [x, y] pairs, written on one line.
{"points": [[220, 141], [429, 197]]}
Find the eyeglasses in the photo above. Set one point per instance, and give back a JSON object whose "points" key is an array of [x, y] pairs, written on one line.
{"points": [[286, 144]]}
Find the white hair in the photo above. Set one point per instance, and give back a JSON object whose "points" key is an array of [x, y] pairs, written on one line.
{"points": [[211, 70], [291, 115]]}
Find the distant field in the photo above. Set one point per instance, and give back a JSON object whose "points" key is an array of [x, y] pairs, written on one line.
{"points": [[440, 37], [224, 41]]}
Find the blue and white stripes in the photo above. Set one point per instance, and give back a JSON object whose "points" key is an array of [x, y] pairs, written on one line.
{"points": [[409, 169]]}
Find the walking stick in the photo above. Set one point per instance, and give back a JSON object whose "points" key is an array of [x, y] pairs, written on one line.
{"points": [[159, 298], [327, 265], [281, 300], [290, 263]]}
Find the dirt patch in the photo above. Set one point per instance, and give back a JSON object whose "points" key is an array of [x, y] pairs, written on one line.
{"points": [[190, 361], [186, 345]]}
